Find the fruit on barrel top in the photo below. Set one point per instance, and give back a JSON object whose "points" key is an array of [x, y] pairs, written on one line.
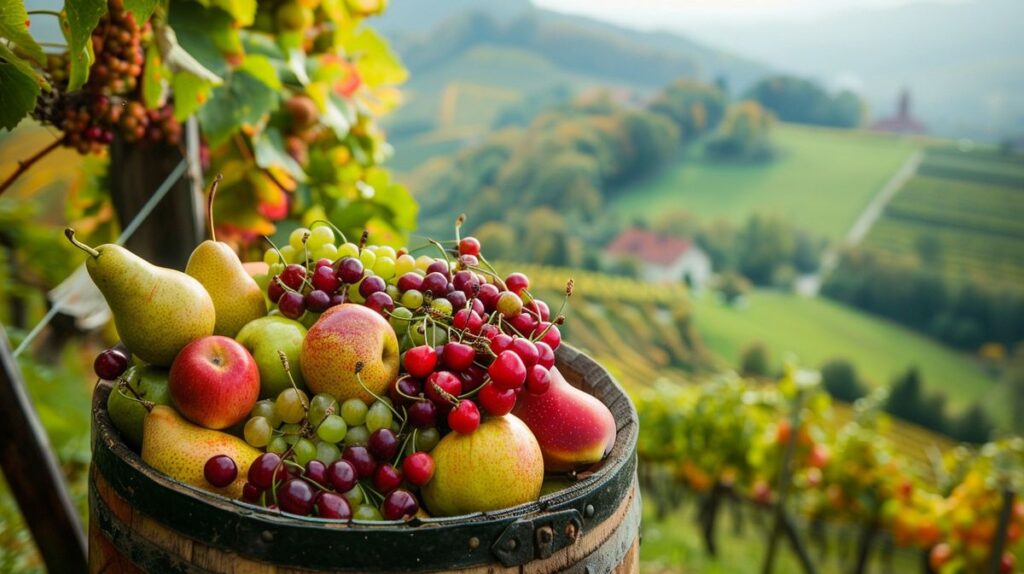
{"points": [[214, 382], [126, 412], [157, 311], [264, 337], [236, 296], [344, 336], [497, 466], [181, 450], [573, 428]]}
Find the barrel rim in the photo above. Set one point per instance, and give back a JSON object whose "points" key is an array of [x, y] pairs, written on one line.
{"points": [[111, 453]]}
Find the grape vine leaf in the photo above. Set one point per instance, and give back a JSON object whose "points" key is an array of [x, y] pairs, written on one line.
{"points": [[14, 22], [154, 82], [19, 93], [141, 9], [262, 69], [241, 101], [178, 59], [82, 17], [268, 147], [243, 11], [335, 112], [190, 93], [377, 64], [196, 29]]}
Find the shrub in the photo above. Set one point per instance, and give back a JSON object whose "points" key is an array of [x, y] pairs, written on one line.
{"points": [[840, 379], [754, 361]]}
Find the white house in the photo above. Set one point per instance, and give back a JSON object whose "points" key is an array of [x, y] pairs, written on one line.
{"points": [[663, 259]]}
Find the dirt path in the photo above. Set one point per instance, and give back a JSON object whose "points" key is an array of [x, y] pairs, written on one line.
{"points": [[808, 285]]}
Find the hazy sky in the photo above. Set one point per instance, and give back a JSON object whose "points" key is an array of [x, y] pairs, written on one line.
{"points": [[682, 14]]}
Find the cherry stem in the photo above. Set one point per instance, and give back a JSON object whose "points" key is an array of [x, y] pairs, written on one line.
{"points": [[288, 371], [332, 226], [454, 400], [359, 379], [209, 205], [70, 234], [53, 13], [461, 219], [122, 384]]}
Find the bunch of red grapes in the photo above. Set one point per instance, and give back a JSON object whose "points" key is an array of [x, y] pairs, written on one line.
{"points": [[109, 102]]}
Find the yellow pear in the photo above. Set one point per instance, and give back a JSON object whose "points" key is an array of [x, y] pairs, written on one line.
{"points": [[180, 450], [157, 311], [236, 296], [497, 466]]}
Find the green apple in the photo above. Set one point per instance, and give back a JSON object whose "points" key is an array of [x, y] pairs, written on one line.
{"points": [[264, 337], [127, 413]]}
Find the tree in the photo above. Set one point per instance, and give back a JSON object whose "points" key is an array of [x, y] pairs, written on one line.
{"points": [[744, 135], [973, 425], [794, 99], [840, 379], [695, 107], [762, 244], [755, 360], [905, 396]]}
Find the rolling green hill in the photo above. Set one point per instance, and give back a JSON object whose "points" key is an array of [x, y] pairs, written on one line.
{"points": [[816, 330], [821, 181]]}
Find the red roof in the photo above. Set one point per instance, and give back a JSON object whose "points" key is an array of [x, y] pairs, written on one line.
{"points": [[647, 246]]}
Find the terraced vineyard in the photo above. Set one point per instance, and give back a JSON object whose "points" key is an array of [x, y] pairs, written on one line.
{"points": [[643, 332], [966, 207]]}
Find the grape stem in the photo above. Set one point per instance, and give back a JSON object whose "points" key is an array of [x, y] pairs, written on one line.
{"points": [[53, 13], [25, 164]]}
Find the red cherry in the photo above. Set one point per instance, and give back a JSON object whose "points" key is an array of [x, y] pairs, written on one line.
{"points": [[292, 305], [334, 506], [545, 356], [220, 470], [380, 302], [488, 295], [350, 270], [110, 364], [435, 283], [399, 504], [372, 284], [526, 350], [262, 471], [316, 471], [422, 414], [418, 468], [317, 301], [472, 378], [296, 497], [383, 444], [517, 283], [467, 320], [420, 361], [323, 262], [275, 290], [469, 246], [507, 371], [539, 309], [500, 343], [464, 418], [251, 492], [538, 380], [342, 475], [448, 383], [324, 279], [553, 337], [458, 356], [409, 281], [386, 478], [293, 275], [524, 323], [404, 388], [361, 460], [496, 401]]}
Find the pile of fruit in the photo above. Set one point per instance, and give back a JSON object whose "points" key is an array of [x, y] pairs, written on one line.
{"points": [[344, 381]]}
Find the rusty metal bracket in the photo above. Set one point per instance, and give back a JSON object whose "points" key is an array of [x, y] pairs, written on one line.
{"points": [[538, 536]]}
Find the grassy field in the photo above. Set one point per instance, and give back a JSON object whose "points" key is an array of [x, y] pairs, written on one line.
{"points": [[821, 181], [969, 206], [816, 330]]}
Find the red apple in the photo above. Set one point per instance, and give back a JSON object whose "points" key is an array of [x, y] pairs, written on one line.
{"points": [[344, 336], [214, 382]]}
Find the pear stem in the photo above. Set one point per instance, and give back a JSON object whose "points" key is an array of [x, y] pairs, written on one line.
{"points": [[209, 204], [70, 234]]}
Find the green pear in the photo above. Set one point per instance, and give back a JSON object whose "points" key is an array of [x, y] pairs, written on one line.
{"points": [[263, 338], [157, 311], [236, 296], [125, 410], [497, 466], [180, 450]]}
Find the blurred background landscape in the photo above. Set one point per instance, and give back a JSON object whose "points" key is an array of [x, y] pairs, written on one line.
{"points": [[838, 185]]}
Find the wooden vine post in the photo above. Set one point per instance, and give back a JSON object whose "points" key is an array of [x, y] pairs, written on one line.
{"points": [[783, 524], [998, 545]]}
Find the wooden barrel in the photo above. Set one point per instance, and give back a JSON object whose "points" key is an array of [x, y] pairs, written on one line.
{"points": [[142, 521]]}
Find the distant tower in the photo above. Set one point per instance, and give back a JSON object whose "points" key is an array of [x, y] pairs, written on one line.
{"points": [[903, 122]]}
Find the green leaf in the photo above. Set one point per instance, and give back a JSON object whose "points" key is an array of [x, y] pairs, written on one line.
{"points": [[335, 112], [141, 9], [243, 11], [177, 58], [24, 67], [82, 17], [18, 95], [196, 29], [154, 79], [14, 27], [190, 93], [269, 150], [378, 65], [242, 101], [262, 69]]}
